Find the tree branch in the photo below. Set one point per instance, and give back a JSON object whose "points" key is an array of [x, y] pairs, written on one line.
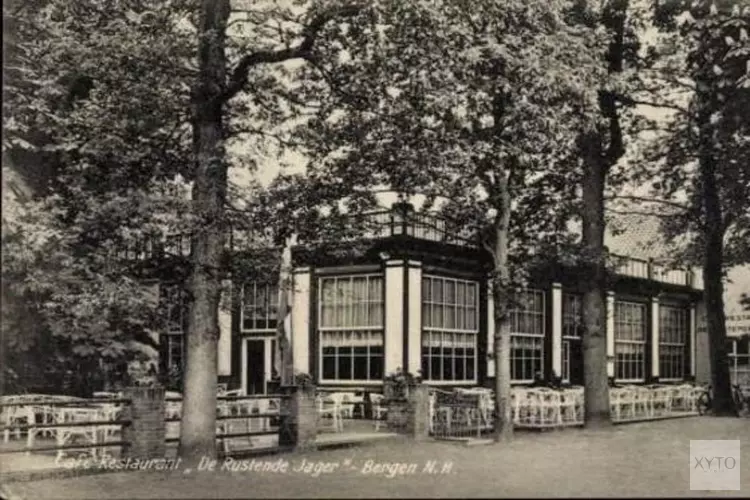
{"points": [[630, 101], [239, 77], [638, 212], [668, 203]]}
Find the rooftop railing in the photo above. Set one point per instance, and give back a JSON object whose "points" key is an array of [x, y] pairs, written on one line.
{"points": [[649, 270], [402, 220]]}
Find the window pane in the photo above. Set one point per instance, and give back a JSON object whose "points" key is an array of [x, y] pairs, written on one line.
{"points": [[376, 363], [360, 363], [345, 363], [329, 365]]}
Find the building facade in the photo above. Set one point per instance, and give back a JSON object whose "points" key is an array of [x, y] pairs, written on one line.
{"points": [[413, 297]]}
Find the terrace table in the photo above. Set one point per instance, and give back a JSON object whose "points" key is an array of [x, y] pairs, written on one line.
{"points": [[93, 434], [27, 407]]}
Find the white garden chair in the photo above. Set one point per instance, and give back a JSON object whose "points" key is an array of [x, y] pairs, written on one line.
{"points": [[661, 400], [343, 400], [380, 411], [643, 406], [330, 409], [621, 402], [571, 407], [550, 403]]}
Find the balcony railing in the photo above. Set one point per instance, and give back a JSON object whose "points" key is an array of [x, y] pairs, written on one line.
{"points": [[402, 220], [647, 269], [428, 227]]}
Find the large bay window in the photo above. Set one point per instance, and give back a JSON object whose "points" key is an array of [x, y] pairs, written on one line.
{"points": [[174, 308], [450, 312], [674, 325], [527, 327], [572, 333], [259, 305], [350, 323], [630, 341]]}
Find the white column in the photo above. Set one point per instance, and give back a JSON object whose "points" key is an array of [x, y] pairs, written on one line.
{"points": [[243, 362], [610, 334], [394, 316], [415, 317], [225, 329], [692, 340], [654, 336], [300, 335], [557, 323], [267, 358], [153, 289], [490, 330]]}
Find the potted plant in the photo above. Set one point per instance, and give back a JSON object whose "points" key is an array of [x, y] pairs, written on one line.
{"points": [[397, 385], [304, 382]]}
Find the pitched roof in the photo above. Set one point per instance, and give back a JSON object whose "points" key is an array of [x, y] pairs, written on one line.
{"points": [[638, 236]]}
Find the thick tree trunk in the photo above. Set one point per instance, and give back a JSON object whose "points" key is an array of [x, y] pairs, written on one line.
{"points": [[501, 298], [713, 258], [198, 427], [595, 382], [597, 162]]}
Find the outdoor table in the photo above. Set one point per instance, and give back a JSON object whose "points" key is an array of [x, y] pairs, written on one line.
{"points": [[81, 413]]}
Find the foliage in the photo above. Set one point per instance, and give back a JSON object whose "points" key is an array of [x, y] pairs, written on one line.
{"points": [[706, 51], [304, 380], [105, 174], [447, 98], [396, 385]]}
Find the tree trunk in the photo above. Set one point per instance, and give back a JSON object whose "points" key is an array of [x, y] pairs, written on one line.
{"points": [[501, 298], [713, 257], [198, 427], [595, 386], [597, 162]]}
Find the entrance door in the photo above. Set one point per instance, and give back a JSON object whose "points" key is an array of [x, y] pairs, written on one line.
{"points": [[256, 366]]}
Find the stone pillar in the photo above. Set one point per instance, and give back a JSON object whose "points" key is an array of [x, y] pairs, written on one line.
{"points": [[146, 433], [557, 324], [410, 416], [610, 334], [299, 418], [654, 340], [419, 414]]}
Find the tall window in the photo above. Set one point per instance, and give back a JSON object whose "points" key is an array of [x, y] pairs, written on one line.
{"points": [[527, 320], [673, 333], [175, 317], [572, 332], [630, 341], [739, 360], [350, 322], [259, 304], [450, 325]]}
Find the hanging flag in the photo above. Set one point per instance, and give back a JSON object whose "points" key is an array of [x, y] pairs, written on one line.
{"points": [[283, 354]]}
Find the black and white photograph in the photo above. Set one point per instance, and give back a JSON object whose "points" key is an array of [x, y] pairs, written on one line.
{"points": [[375, 249]]}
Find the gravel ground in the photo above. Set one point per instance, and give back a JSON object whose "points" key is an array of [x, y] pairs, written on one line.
{"points": [[636, 460]]}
